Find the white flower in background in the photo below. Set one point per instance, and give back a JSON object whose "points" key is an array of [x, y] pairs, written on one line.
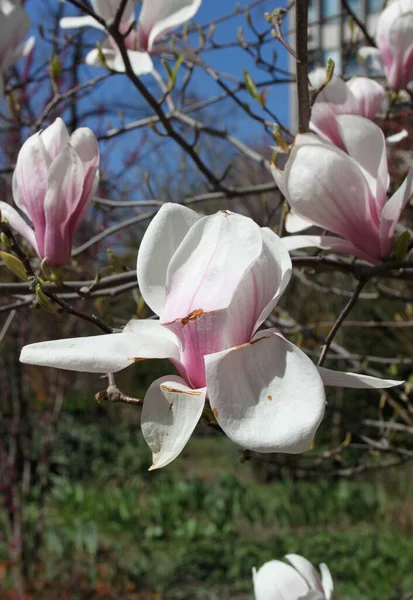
{"points": [[156, 18], [14, 26], [212, 281], [276, 580]]}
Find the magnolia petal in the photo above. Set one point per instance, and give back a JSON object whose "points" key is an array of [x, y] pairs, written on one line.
{"points": [[162, 238], [267, 395], [141, 62], [392, 211], [207, 268], [152, 327], [397, 137], [278, 177], [171, 411], [276, 580], [294, 223], [101, 353], [107, 10], [84, 142], [77, 22], [365, 142], [24, 49], [327, 581], [306, 570], [54, 139], [327, 187], [324, 242], [157, 17], [19, 224], [355, 380], [370, 95], [93, 58], [372, 55], [65, 185]]}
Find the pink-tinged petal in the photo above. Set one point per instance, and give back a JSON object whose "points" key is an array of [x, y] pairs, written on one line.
{"points": [[208, 266], [294, 223], [158, 17], [394, 39], [327, 581], [306, 570], [171, 411], [325, 242], [370, 96], [102, 353], [162, 238], [14, 26], [276, 580], [30, 184], [365, 142], [141, 62], [335, 99], [78, 22], [19, 224], [325, 186], [64, 191], [54, 138], [152, 327], [107, 9], [83, 140], [267, 395], [355, 380], [392, 211]]}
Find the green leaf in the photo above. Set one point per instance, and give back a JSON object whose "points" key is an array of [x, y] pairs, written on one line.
{"points": [[250, 85], [402, 245], [14, 265]]}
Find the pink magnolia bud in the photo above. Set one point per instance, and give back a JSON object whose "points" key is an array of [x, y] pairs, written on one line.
{"points": [[14, 26], [53, 183]]}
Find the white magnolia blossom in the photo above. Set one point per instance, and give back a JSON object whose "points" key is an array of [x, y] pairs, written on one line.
{"points": [[212, 281], [299, 580], [156, 18]]}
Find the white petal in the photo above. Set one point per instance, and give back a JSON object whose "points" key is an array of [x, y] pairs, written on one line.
{"points": [[76, 22], [306, 570], [324, 242], [294, 223], [327, 581], [157, 17], [102, 353], [372, 55], [19, 224], [397, 137], [171, 411], [278, 177], [276, 580], [107, 9], [206, 270], [141, 62], [267, 395], [355, 380], [162, 238]]}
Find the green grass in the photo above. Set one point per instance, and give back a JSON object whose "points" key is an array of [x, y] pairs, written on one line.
{"points": [[196, 528]]}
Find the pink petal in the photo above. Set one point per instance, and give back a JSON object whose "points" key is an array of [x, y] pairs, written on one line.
{"points": [[19, 224], [267, 395], [158, 17], [107, 10], [276, 580], [54, 138], [65, 185], [162, 238], [365, 142], [85, 143], [392, 211], [325, 186], [325, 242], [171, 411]]}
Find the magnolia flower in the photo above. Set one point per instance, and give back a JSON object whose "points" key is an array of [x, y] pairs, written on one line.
{"points": [[278, 581], [359, 96], [394, 50], [53, 183], [14, 26], [212, 281], [344, 193], [156, 18]]}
